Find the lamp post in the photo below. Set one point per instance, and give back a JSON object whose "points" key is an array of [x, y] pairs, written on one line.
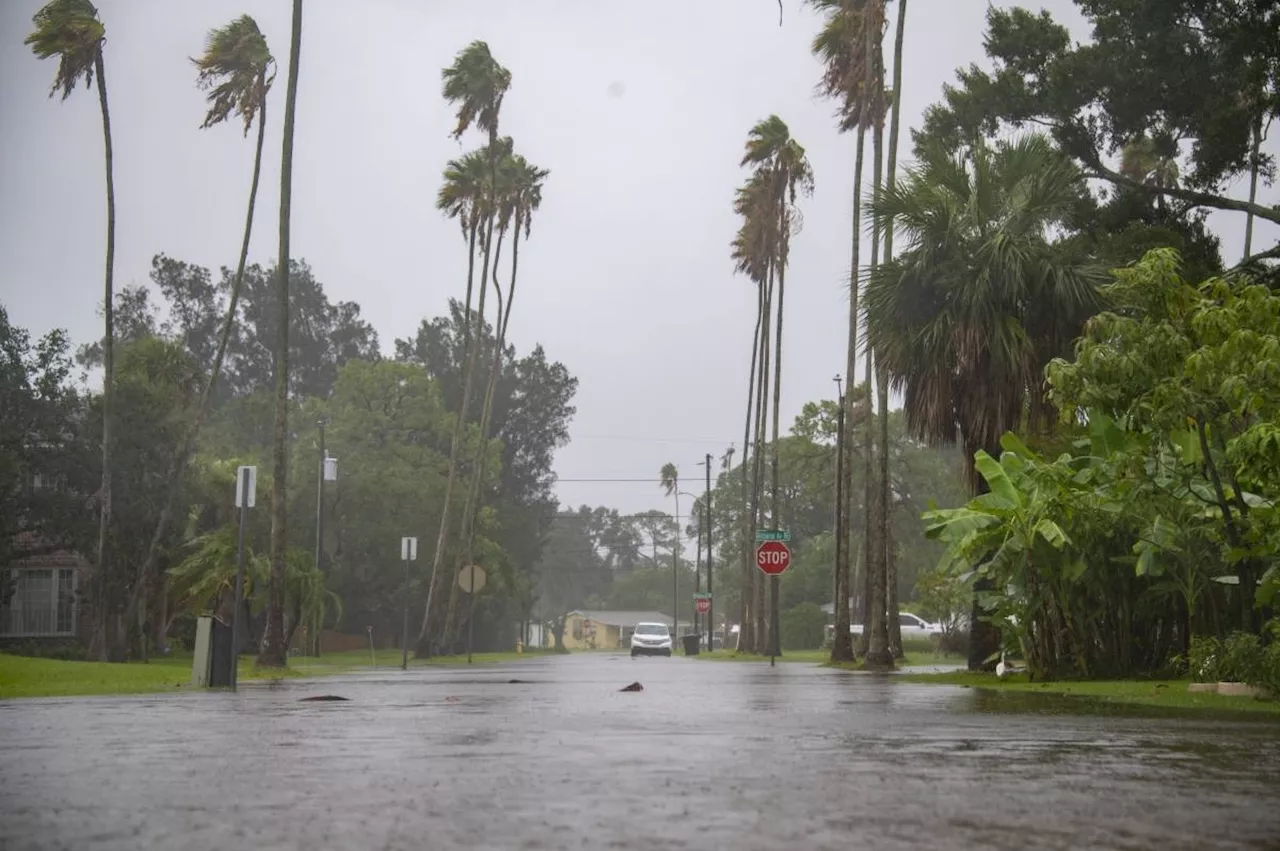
{"points": [[841, 637], [328, 472]]}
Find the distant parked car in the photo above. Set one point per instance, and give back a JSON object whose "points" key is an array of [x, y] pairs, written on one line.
{"points": [[651, 639], [912, 626]]}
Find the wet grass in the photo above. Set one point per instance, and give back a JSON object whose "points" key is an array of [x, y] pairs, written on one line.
{"points": [[914, 658], [25, 676], [1094, 695]]}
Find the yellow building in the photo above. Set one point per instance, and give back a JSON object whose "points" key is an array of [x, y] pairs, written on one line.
{"points": [[602, 630]]}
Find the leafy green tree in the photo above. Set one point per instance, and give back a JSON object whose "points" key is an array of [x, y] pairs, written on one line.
{"points": [[44, 464], [274, 647], [569, 573], [72, 31], [1094, 99], [803, 627], [965, 320]]}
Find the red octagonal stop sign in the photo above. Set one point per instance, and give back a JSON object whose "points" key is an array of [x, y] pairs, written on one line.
{"points": [[773, 557]]}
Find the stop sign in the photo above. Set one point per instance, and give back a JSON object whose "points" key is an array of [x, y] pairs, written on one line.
{"points": [[702, 605], [773, 557]]}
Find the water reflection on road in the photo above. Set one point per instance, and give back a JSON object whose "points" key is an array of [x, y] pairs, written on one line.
{"points": [[708, 755]]}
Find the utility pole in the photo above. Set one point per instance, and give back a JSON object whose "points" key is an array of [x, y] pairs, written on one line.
{"points": [[319, 520], [711, 601], [246, 490], [408, 553], [841, 576]]}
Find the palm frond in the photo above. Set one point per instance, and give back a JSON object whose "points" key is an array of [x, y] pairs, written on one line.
{"points": [[235, 69], [476, 84], [70, 30]]}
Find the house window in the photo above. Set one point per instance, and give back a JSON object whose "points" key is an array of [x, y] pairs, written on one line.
{"points": [[43, 603]]}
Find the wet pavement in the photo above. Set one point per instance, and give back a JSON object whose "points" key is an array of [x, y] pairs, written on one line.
{"points": [[709, 755]]}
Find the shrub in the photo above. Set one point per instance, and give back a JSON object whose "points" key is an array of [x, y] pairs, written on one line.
{"points": [[803, 627]]}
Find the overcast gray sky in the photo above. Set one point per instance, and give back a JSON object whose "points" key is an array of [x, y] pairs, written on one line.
{"points": [[639, 109]]}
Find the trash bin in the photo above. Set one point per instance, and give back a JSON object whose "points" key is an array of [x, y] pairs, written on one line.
{"points": [[222, 656], [691, 643]]}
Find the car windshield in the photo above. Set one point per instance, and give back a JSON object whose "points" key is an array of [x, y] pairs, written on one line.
{"points": [[652, 629]]}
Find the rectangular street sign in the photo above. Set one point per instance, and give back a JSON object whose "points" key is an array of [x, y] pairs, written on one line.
{"points": [[246, 485], [409, 549], [702, 596], [763, 535]]}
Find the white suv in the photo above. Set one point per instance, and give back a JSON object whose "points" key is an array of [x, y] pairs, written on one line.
{"points": [[651, 639]]}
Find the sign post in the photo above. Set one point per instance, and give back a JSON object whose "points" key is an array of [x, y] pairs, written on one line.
{"points": [[471, 580], [773, 557], [246, 496], [408, 553]]}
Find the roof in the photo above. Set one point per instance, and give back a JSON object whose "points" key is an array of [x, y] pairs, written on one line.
{"points": [[622, 619]]}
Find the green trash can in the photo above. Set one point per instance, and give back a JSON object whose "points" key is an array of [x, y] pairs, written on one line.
{"points": [[691, 643]]}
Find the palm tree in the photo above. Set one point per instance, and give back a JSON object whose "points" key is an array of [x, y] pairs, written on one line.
{"points": [[274, 649], [842, 46], [882, 385], [464, 196], [752, 252], [519, 196], [669, 479], [476, 84], [965, 320], [237, 70], [71, 30], [781, 162]]}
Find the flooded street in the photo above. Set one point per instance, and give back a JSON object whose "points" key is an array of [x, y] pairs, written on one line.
{"points": [[709, 755]]}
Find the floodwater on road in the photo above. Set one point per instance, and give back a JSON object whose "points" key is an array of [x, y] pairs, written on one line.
{"points": [[708, 755]]}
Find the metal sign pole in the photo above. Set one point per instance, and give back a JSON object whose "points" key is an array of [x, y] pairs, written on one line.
{"points": [[408, 553], [246, 485]]}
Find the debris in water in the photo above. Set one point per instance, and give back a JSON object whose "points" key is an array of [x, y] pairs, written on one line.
{"points": [[516, 682], [325, 697], [633, 687]]}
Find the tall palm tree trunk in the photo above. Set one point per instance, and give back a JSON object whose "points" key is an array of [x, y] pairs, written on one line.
{"points": [[178, 464], [424, 643], [472, 505], [876, 629], [842, 645], [474, 227], [274, 650], [107, 647], [775, 643], [891, 565], [762, 638], [746, 642]]}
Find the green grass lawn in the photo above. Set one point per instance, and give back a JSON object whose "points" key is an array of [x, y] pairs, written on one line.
{"points": [[1171, 694], [24, 676]]}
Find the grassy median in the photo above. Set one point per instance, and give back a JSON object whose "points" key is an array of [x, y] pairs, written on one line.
{"points": [[1167, 694], [25, 676]]}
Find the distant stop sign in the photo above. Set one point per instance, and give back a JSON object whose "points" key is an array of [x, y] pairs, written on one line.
{"points": [[773, 557], [702, 605]]}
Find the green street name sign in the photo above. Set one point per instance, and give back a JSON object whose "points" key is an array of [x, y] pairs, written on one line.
{"points": [[763, 535], [702, 596]]}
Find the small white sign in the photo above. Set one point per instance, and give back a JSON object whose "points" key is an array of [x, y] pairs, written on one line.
{"points": [[408, 549], [246, 478], [330, 469]]}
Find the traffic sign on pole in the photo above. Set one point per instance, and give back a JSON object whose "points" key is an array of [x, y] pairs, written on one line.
{"points": [[773, 557], [763, 535], [702, 604], [246, 487], [408, 549]]}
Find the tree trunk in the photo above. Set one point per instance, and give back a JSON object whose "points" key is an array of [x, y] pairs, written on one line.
{"points": [[106, 587], [501, 317], [1254, 163], [178, 464], [761, 637], [424, 643], [775, 643], [745, 642], [274, 650], [842, 645], [876, 627], [471, 274], [885, 501]]}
